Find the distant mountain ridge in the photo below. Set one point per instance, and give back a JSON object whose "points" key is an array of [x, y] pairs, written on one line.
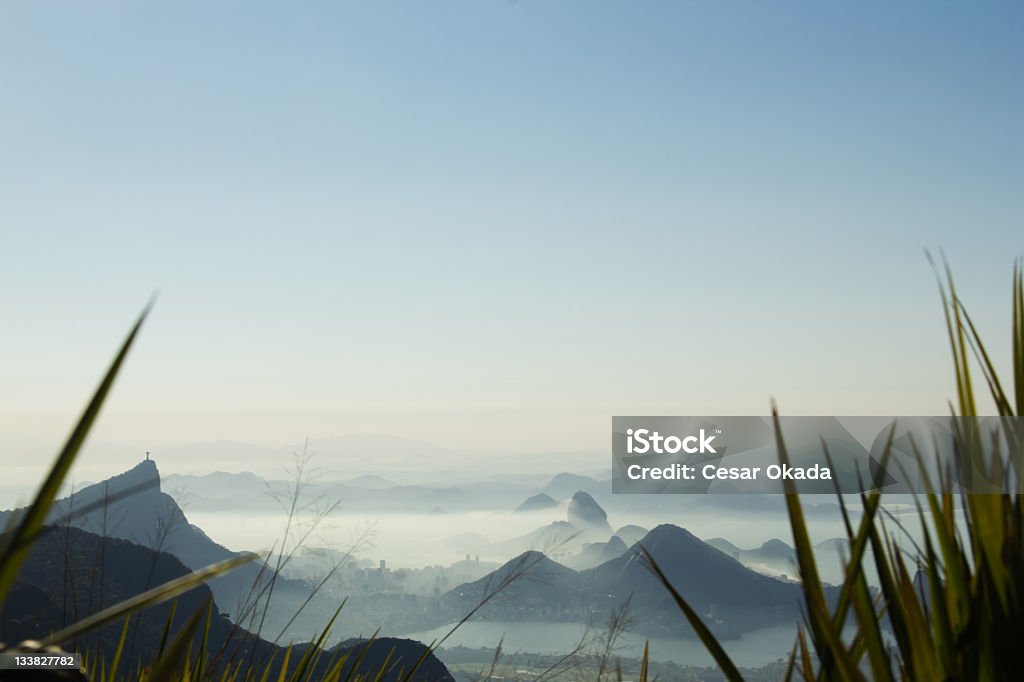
{"points": [[565, 484], [131, 506], [71, 574], [586, 514], [733, 598], [385, 493], [775, 557], [538, 502], [74, 573], [586, 523], [596, 553], [145, 540]]}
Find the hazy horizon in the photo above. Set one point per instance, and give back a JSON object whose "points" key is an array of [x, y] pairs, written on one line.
{"points": [[492, 229], [446, 244]]}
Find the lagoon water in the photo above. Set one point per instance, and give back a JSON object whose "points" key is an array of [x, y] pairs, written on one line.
{"points": [[752, 650]]}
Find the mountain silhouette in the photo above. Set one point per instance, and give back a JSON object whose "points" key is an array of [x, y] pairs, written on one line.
{"points": [[597, 553], [631, 534], [71, 573], [735, 598], [364, 658], [773, 557], [529, 581], [132, 506], [587, 515], [555, 537], [565, 484], [538, 502], [707, 578]]}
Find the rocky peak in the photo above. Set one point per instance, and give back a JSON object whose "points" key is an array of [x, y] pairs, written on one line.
{"points": [[587, 515]]}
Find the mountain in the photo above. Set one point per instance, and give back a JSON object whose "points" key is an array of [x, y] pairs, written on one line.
{"points": [[832, 544], [131, 506], [396, 656], [711, 581], [733, 598], [218, 485], [773, 557], [631, 534], [613, 549], [597, 553], [587, 522], [71, 574], [538, 502], [220, 492], [371, 482], [468, 543], [587, 515], [563, 485], [557, 536], [528, 582], [776, 549], [726, 547]]}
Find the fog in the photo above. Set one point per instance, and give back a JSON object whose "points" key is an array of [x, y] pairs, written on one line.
{"points": [[403, 540], [416, 540]]}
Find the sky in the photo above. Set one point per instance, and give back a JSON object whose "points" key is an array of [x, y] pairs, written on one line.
{"points": [[494, 225]]}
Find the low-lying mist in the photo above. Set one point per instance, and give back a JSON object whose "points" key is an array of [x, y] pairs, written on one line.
{"points": [[417, 540]]}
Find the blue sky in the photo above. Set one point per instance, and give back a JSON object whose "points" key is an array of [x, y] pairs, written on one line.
{"points": [[496, 224]]}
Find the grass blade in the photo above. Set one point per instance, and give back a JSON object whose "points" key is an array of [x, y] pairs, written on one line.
{"points": [[13, 550], [825, 633], [169, 665], [714, 648], [151, 597]]}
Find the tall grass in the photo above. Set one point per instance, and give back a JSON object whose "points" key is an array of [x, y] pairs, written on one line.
{"points": [[173, 659], [16, 540], [954, 602]]}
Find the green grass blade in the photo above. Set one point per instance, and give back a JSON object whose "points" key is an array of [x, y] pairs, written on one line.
{"points": [[384, 668], [790, 663], [170, 664], [353, 672], [12, 549], [167, 629], [200, 668], [151, 597], [806, 665], [869, 626], [706, 636], [120, 649], [308, 661], [284, 664], [1017, 337], [270, 664], [83, 511], [825, 633]]}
